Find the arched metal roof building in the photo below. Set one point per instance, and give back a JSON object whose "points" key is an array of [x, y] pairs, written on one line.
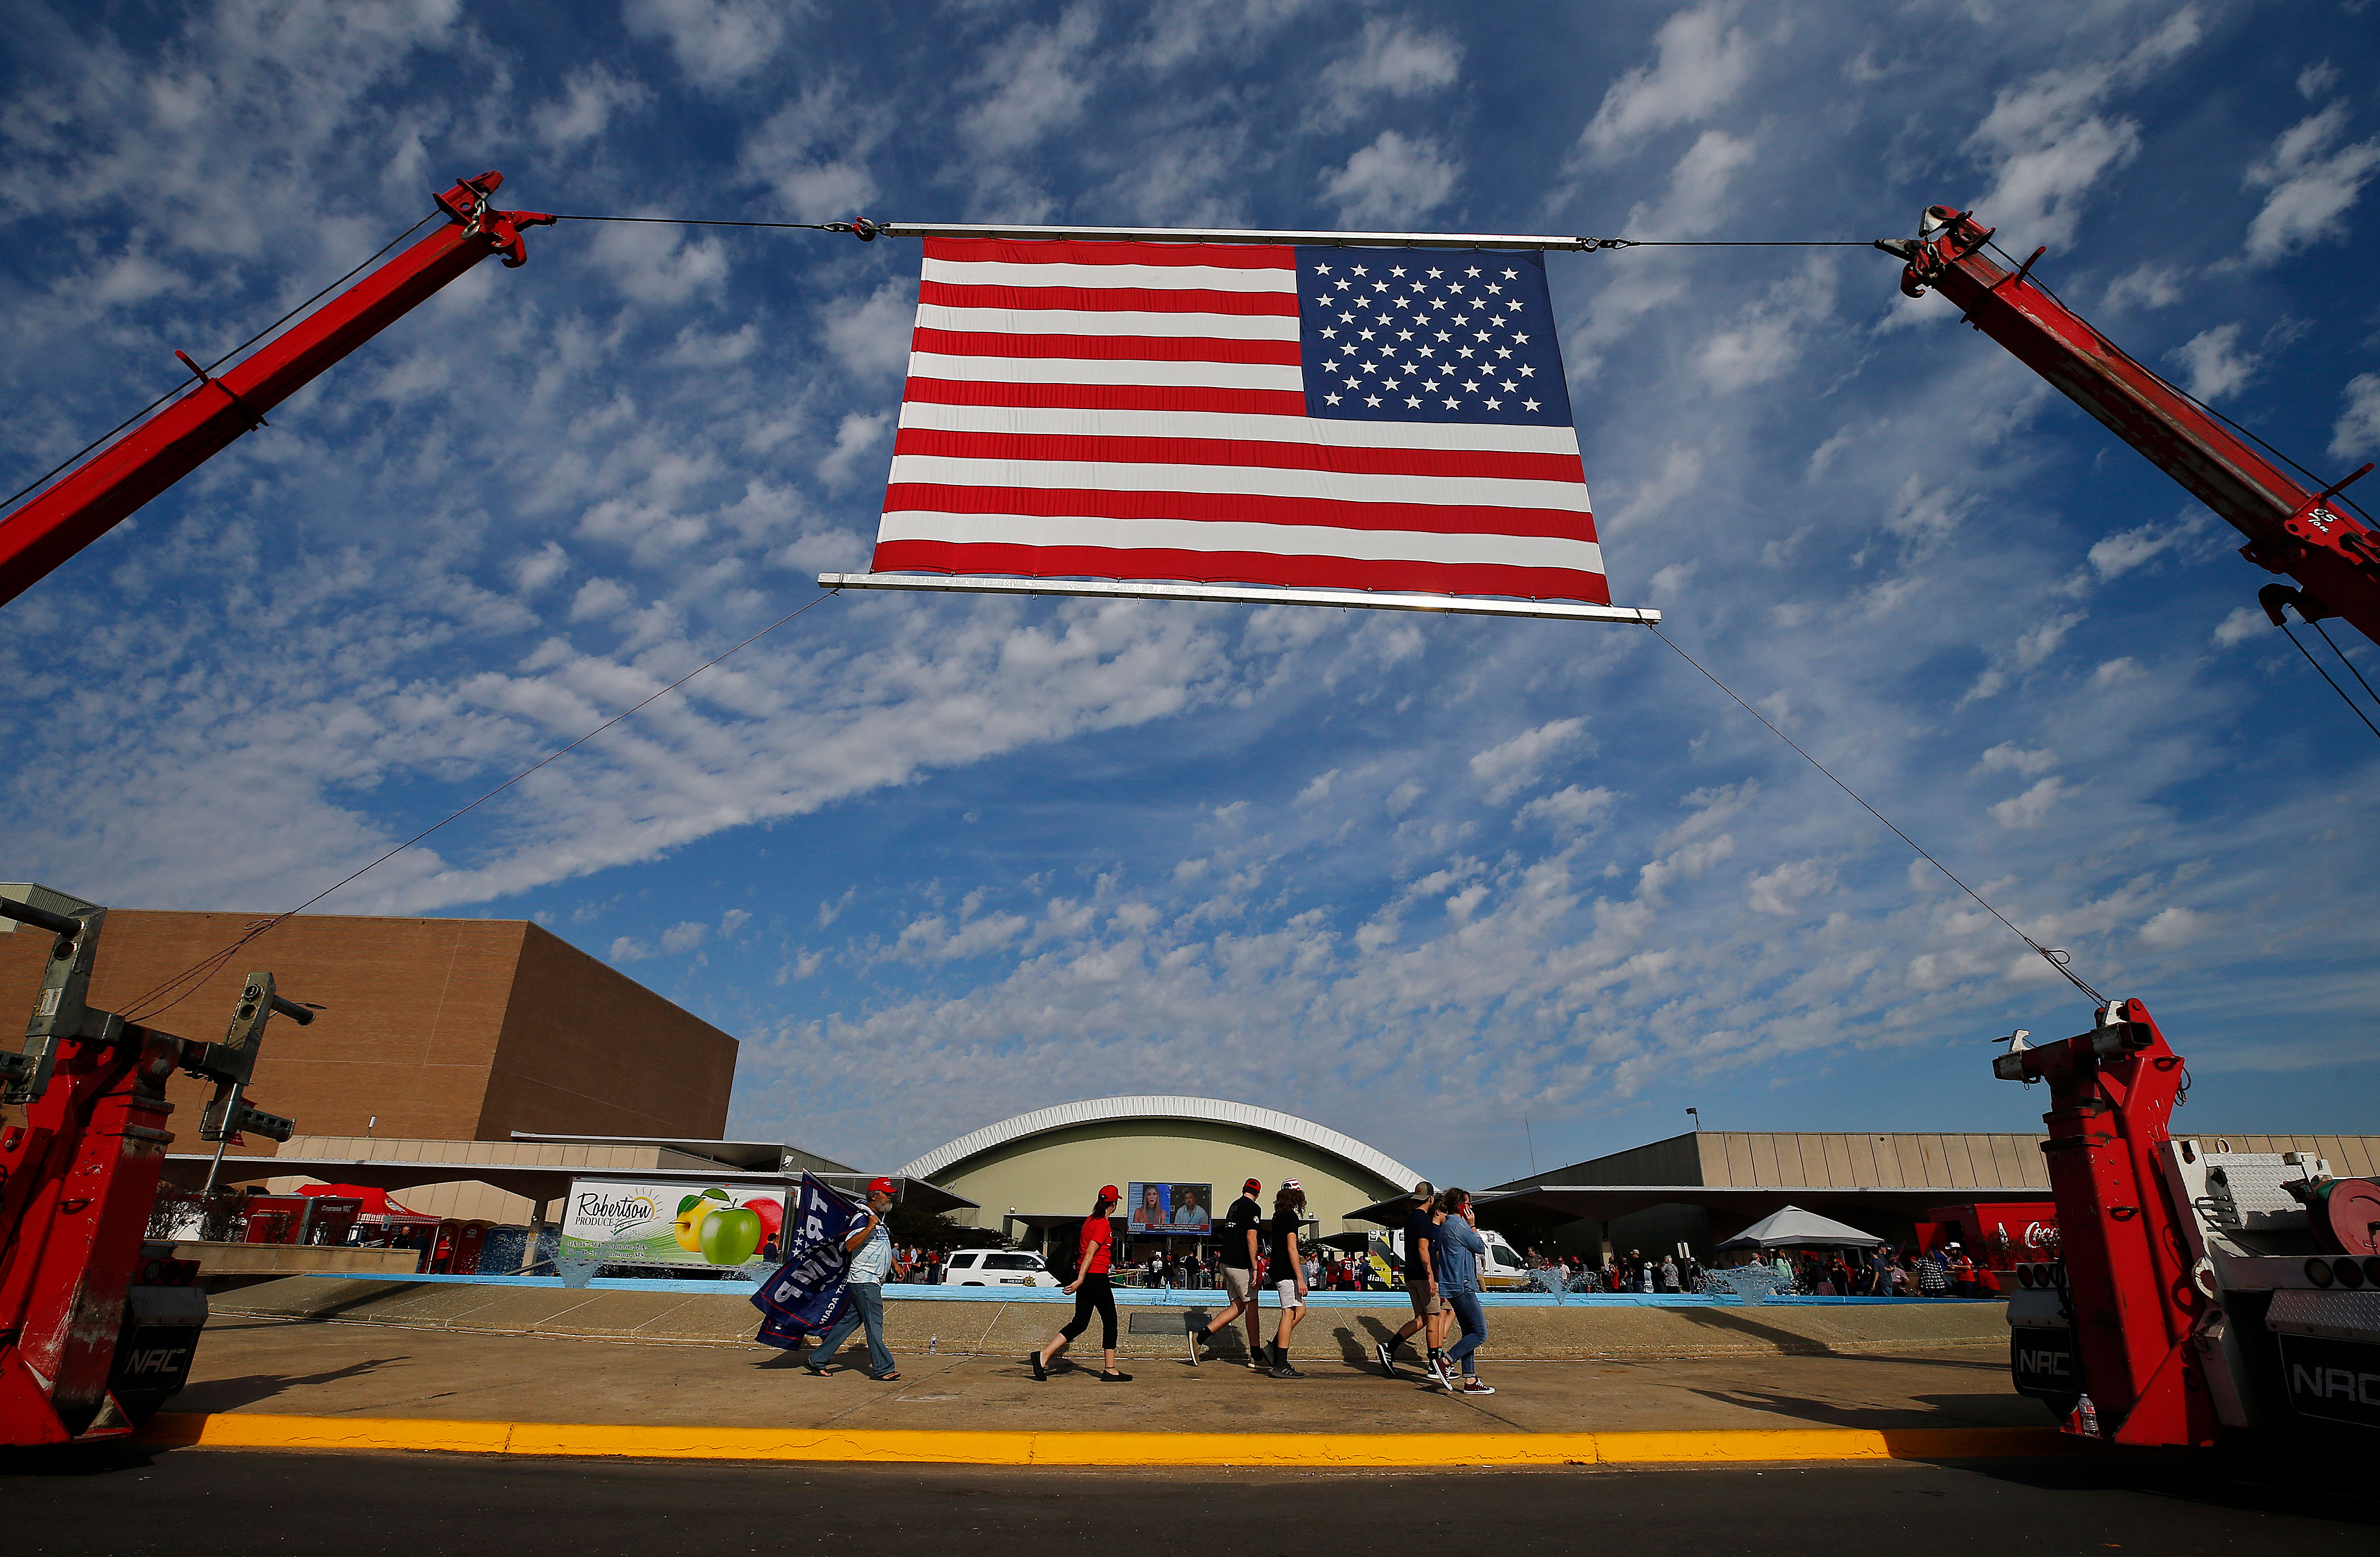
{"points": [[1049, 1162]]}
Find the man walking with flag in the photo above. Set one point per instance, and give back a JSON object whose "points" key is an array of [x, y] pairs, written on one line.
{"points": [[869, 1244]]}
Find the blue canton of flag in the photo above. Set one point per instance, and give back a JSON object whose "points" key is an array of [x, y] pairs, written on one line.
{"points": [[1430, 335]]}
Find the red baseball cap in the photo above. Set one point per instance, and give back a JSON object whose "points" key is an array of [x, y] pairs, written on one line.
{"points": [[1108, 1192], [1253, 1185], [880, 1186]]}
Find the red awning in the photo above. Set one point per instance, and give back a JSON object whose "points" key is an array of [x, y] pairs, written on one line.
{"points": [[375, 1201]]}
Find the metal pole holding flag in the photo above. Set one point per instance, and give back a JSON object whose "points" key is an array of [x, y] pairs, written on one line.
{"points": [[1110, 589], [1556, 244]]}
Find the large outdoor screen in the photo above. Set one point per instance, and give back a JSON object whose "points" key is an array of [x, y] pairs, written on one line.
{"points": [[1158, 1210]]}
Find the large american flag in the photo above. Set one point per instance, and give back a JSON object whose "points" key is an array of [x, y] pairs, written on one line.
{"points": [[1351, 418]]}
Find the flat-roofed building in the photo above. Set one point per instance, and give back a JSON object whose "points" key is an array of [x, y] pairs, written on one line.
{"points": [[1706, 1185], [433, 1030]]}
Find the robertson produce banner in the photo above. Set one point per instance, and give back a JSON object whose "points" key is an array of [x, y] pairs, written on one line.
{"points": [[806, 1294], [642, 1221]]}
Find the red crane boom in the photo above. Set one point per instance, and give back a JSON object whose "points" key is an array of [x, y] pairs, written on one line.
{"points": [[96, 496], [2290, 528]]}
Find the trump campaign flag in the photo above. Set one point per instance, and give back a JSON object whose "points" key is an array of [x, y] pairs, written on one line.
{"points": [[806, 1295], [1290, 416]]}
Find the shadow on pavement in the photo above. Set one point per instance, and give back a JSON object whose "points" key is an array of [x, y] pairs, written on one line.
{"points": [[2001, 1410], [230, 1395]]}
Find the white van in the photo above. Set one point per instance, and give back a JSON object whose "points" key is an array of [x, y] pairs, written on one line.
{"points": [[1501, 1268], [997, 1268]]}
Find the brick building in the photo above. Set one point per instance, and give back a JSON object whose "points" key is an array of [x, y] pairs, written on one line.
{"points": [[442, 1029]]}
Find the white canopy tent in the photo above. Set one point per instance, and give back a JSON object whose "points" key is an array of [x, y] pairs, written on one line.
{"points": [[1795, 1228]]}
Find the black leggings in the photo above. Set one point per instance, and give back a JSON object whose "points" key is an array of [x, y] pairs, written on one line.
{"points": [[1094, 1293]]}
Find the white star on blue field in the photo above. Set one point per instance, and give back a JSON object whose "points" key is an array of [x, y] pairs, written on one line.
{"points": [[936, 860], [1429, 335]]}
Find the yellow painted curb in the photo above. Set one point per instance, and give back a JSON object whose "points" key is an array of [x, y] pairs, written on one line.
{"points": [[1104, 1450]]}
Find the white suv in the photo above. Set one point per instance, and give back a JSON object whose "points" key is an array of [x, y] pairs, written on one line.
{"points": [[997, 1268]]}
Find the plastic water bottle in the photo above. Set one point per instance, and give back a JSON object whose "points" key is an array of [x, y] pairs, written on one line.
{"points": [[2088, 1415], [933, 1342]]}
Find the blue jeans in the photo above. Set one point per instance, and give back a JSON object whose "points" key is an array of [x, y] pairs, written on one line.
{"points": [[1473, 1320], [868, 1308]]}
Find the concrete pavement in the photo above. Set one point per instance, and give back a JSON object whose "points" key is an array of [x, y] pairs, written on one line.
{"points": [[997, 1328], [365, 1370]]}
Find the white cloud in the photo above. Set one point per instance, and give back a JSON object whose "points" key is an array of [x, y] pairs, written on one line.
{"points": [[1568, 807], [600, 600], [1318, 788], [732, 921], [1392, 180], [685, 937], [2048, 140], [2312, 186], [814, 152], [871, 338], [2317, 78], [858, 434], [1702, 62], [2174, 926], [2008, 757], [2119, 553], [1389, 59], [2216, 364], [657, 265], [1507, 768], [540, 567], [1033, 86], [2357, 430], [716, 43], [2149, 285], [2244, 622], [1780, 891], [2027, 811], [590, 97]]}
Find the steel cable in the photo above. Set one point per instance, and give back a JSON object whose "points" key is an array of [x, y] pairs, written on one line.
{"points": [[41, 480], [2052, 956]]}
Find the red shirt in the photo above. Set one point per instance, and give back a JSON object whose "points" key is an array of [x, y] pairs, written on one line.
{"points": [[1099, 1242]]}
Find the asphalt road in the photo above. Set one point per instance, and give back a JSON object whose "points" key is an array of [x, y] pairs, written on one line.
{"points": [[199, 1503]]}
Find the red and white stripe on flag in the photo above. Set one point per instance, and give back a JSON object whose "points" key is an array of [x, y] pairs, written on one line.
{"points": [[1162, 412]]}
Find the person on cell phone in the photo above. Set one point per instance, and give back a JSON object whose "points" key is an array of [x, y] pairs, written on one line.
{"points": [[1457, 1256]]}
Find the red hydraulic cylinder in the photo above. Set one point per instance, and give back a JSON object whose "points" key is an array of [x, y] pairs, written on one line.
{"points": [[94, 498], [2121, 1243], [82, 1173], [2290, 528]]}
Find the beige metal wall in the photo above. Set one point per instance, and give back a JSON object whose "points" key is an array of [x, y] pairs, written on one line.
{"points": [[1879, 1161], [1893, 1160], [468, 1199], [1060, 1171]]}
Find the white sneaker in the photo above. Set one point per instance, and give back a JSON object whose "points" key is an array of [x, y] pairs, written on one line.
{"points": [[1473, 1386]]}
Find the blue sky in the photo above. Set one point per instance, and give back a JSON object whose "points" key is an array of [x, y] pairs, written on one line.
{"points": [[938, 861]]}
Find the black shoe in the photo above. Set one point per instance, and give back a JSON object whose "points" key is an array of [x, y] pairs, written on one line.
{"points": [[1283, 1371], [1388, 1358], [1109, 1376], [1041, 1368]]}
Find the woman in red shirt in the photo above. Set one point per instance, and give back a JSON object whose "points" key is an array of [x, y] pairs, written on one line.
{"points": [[1091, 1294]]}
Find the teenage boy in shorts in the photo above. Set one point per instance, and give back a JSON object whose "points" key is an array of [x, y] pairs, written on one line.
{"points": [[1236, 1262], [1421, 1281]]}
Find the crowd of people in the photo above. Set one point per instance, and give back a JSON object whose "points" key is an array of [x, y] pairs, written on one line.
{"points": [[1442, 1252]]}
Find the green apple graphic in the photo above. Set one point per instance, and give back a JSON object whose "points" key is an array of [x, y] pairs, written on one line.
{"points": [[731, 1237]]}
